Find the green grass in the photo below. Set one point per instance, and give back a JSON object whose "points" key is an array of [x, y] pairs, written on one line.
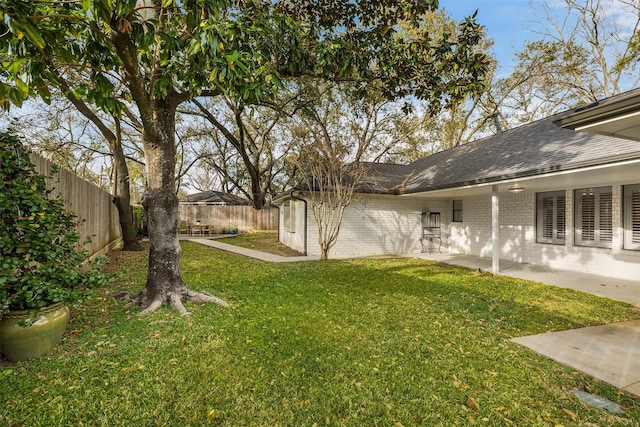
{"points": [[385, 342], [264, 241]]}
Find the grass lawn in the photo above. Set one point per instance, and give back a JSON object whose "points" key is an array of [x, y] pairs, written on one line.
{"points": [[263, 241], [387, 342]]}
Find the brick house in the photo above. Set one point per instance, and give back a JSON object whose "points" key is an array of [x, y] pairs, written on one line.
{"points": [[541, 194]]}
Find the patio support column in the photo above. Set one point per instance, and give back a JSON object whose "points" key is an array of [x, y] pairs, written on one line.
{"points": [[495, 230]]}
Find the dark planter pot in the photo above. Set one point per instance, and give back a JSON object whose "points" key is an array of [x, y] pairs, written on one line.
{"points": [[23, 343]]}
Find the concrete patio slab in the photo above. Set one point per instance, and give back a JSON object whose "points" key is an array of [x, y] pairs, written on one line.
{"points": [[617, 289], [610, 353]]}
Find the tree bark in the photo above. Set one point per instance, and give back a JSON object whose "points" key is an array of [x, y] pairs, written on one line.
{"points": [[122, 194], [258, 198], [160, 202]]}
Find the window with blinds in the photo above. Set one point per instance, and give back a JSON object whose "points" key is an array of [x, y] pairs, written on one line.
{"points": [[594, 217], [631, 216], [550, 217]]}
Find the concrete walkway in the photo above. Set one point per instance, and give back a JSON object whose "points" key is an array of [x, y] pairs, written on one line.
{"points": [[610, 353], [252, 253]]}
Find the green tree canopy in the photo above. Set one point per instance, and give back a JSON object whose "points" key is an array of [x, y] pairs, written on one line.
{"points": [[158, 54]]}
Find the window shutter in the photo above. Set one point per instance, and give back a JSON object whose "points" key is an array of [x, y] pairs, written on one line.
{"points": [[605, 216], [631, 216], [547, 217], [635, 216], [594, 217], [550, 221], [588, 216], [561, 223]]}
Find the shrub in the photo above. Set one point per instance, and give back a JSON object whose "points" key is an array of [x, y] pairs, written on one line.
{"points": [[41, 259]]}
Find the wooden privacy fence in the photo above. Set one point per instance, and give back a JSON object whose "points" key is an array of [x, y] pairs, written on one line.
{"points": [[88, 202], [219, 218]]}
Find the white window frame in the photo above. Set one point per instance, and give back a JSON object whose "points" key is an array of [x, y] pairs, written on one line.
{"points": [[289, 216], [600, 238], [460, 210], [558, 217], [286, 214], [631, 216], [292, 216]]}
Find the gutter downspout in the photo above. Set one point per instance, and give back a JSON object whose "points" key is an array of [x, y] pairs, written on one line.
{"points": [[279, 236], [305, 219]]}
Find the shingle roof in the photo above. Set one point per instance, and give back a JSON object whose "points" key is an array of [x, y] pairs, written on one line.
{"points": [[532, 149], [385, 178], [215, 198]]}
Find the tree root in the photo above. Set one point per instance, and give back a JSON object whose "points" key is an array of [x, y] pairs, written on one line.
{"points": [[173, 299]]}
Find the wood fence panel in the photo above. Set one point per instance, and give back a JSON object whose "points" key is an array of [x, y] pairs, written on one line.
{"points": [[243, 218], [93, 206], [100, 216]]}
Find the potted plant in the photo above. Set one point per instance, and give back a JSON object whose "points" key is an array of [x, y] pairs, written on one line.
{"points": [[43, 266]]}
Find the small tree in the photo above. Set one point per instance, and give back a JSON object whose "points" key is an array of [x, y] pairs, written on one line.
{"points": [[332, 186], [328, 161]]}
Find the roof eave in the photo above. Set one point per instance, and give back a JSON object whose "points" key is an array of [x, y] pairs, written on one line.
{"points": [[618, 117], [527, 174]]}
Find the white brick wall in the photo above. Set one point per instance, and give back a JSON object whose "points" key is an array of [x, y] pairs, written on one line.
{"points": [[518, 237], [376, 225], [294, 236], [373, 225], [382, 225]]}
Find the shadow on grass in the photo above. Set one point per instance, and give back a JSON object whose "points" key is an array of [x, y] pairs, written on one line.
{"points": [[348, 342]]}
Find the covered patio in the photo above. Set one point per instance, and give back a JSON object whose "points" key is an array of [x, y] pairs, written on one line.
{"points": [[617, 289]]}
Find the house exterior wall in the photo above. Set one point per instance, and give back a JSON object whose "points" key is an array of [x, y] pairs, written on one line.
{"points": [[472, 236], [293, 234], [377, 225], [384, 225], [518, 237], [373, 225]]}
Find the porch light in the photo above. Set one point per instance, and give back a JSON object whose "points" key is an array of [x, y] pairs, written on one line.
{"points": [[516, 188]]}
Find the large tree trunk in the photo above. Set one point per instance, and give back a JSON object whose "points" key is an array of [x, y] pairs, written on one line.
{"points": [[121, 190], [158, 118], [257, 195], [125, 214], [122, 194], [164, 283]]}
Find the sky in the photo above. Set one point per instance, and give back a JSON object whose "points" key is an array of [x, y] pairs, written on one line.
{"points": [[507, 22], [513, 23]]}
